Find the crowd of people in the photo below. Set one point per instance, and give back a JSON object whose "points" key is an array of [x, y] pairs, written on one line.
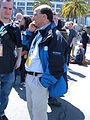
{"points": [[38, 48]]}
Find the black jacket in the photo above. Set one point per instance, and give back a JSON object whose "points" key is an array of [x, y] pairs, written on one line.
{"points": [[8, 58]]}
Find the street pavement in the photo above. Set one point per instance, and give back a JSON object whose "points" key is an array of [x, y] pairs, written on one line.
{"points": [[75, 105]]}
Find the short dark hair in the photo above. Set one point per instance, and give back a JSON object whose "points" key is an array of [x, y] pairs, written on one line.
{"points": [[48, 12], [7, 0], [27, 20], [3, 1]]}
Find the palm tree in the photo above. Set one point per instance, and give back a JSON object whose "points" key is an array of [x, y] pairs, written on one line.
{"points": [[40, 2], [74, 8]]}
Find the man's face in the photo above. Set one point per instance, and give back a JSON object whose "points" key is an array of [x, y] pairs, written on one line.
{"points": [[38, 18], [70, 26], [55, 18], [6, 10]]}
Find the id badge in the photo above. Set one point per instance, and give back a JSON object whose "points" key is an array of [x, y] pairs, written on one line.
{"points": [[28, 62], [1, 49], [25, 56]]}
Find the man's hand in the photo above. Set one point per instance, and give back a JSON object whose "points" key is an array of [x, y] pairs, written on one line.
{"points": [[18, 62], [32, 27]]}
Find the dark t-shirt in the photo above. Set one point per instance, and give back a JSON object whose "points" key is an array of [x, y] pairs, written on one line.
{"points": [[10, 37]]}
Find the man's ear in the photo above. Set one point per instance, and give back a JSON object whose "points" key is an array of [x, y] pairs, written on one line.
{"points": [[44, 16]]}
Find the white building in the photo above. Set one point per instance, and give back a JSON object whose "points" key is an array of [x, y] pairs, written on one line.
{"points": [[26, 5]]}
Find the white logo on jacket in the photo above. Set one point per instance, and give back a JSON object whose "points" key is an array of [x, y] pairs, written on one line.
{"points": [[46, 48]]}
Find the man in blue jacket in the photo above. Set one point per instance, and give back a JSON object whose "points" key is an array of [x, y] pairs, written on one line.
{"points": [[46, 63]]}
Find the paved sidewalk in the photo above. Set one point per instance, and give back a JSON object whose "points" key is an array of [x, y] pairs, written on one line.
{"points": [[78, 96], [75, 105]]}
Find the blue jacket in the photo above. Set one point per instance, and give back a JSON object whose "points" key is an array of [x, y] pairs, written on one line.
{"points": [[53, 56], [26, 39]]}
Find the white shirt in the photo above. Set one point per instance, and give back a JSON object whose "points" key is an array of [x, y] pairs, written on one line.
{"points": [[35, 65], [35, 62]]}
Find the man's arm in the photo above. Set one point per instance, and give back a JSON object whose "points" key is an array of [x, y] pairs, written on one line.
{"points": [[18, 61]]}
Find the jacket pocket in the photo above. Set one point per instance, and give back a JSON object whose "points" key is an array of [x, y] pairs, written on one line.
{"points": [[59, 88]]}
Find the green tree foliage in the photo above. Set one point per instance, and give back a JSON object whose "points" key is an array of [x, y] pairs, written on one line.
{"points": [[40, 2], [74, 8]]}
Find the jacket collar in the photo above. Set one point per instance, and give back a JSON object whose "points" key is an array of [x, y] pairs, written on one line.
{"points": [[47, 32]]}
